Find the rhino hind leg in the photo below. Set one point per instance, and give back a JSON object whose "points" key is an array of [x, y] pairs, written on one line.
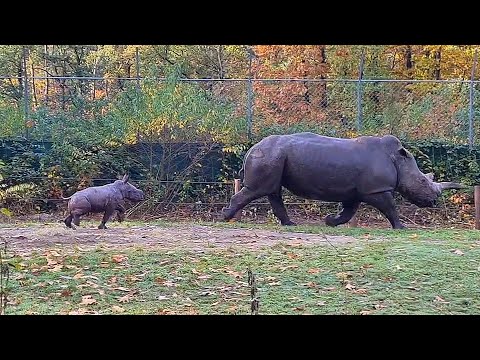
{"points": [[279, 209], [386, 204], [239, 201], [344, 216], [68, 221]]}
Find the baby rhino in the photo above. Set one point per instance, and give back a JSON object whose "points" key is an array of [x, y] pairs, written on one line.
{"points": [[107, 198]]}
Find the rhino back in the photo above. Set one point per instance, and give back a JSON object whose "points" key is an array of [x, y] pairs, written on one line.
{"points": [[333, 169], [98, 197]]}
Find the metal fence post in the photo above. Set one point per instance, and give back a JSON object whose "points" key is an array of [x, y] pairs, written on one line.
{"points": [[470, 113], [359, 93], [250, 94], [25, 93]]}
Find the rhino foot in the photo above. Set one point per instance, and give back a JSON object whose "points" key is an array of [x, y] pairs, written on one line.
{"points": [[227, 213], [102, 226], [289, 223]]}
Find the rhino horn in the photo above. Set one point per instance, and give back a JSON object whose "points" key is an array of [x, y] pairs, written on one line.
{"points": [[125, 178], [449, 185]]}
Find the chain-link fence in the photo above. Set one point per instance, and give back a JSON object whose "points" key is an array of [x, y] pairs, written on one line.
{"points": [[411, 109]]}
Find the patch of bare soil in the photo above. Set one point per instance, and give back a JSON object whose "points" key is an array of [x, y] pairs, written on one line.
{"points": [[37, 238]]}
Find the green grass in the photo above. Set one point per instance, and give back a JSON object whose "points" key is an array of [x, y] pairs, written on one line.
{"points": [[401, 272]]}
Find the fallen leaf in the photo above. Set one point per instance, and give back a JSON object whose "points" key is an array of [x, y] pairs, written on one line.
{"points": [[270, 278], [413, 288], [162, 297], [78, 276], [113, 280], [203, 277], [275, 283], [414, 236], [321, 303], [283, 268], [331, 288], [458, 252], [165, 312], [300, 308], [292, 255], [206, 293], [349, 286], [66, 293], [88, 300], [56, 268], [360, 291], [440, 299], [366, 312], [313, 271], [195, 271], [310, 284], [121, 288], [118, 258], [82, 311], [117, 309], [215, 303], [379, 306], [125, 298]]}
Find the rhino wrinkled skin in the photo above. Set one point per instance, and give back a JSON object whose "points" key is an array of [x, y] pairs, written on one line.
{"points": [[107, 198], [365, 169]]}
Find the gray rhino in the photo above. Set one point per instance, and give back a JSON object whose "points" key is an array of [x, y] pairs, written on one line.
{"points": [[107, 198], [365, 169]]}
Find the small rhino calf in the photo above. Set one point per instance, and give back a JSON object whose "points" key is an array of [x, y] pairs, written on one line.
{"points": [[107, 198]]}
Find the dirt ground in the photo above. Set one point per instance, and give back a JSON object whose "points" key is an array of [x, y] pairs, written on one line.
{"points": [[39, 237]]}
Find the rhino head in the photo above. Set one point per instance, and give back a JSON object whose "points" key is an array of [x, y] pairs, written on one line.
{"points": [[417, 187], [129, 191]]}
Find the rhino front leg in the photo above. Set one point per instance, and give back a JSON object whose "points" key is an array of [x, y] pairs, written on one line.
{"points": [[106, 216], [385, 203], [120, 213], [349, 209], [239, 200], [279, 209]]}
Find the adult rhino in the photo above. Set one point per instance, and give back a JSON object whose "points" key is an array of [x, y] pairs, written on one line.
{"points": [[365, 169]]}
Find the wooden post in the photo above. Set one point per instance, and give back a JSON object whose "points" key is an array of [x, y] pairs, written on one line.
{"points": [[237, 187], [353, 221], [477, 206]]}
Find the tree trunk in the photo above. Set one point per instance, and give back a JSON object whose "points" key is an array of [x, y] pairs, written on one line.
{"points": [[408, 61], [438, 59], [323, 84], [46, 75]]}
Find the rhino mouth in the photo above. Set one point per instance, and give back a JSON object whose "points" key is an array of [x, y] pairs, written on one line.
{"points": [[424, 202]]}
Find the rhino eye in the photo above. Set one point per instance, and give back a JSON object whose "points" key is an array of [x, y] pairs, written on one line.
{"points": [[403, 152]]}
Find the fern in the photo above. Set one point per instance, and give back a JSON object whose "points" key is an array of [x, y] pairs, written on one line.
{"points": [[16, 191]]}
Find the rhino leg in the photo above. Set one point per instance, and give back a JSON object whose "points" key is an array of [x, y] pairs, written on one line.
{"points": [[349, 209], [68, 221], [279, 209], [120, 213], [239, 200], [385, 203], [76, 217], [106, 216]]}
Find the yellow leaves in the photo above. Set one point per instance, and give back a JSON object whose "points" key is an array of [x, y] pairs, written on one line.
{"points": [[313, 271]]}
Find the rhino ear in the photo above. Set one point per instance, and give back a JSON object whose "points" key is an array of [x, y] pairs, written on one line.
{"points": [[125, 178]]}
